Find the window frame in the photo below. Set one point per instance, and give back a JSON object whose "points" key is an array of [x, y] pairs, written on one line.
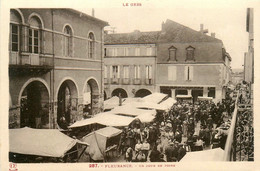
{"points": [[18, 37], [91, 45], [174, 50], [32, 38], [190, 53]]}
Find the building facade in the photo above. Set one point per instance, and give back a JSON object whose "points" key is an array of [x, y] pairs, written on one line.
{"points": [[191, 63], [55, 66], [249, 56], [185, 62], [130, 64]]}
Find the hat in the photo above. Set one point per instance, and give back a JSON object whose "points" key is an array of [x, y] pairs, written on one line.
{"points": [[154, 124]]}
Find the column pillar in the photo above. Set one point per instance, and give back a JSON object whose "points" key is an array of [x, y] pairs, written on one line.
{"points": [[189, 92], [205, 91], [173, 94]]}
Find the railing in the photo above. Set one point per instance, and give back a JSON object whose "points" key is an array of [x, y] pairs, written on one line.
{"points": [[16, 58], [240, 140], [229, 141]]}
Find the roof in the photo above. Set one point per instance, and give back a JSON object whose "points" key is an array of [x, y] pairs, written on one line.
{"points": [[135, 37], [104, 23], [171, 32], [109, 131], [175, 32], [40, 142]]}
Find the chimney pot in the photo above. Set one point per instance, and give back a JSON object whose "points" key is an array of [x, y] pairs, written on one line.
{"points": [[201, 27], [213, 35], [93, 12]]}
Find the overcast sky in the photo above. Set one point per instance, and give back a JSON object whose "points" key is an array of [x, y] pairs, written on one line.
{"points": [[229, 24]]}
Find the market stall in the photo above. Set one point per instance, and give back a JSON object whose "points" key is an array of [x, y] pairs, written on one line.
{"points": [[103, 143], [27, 144], [187, 98]]}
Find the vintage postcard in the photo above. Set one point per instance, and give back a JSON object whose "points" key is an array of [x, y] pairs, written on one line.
{"points": [[129, 84]]}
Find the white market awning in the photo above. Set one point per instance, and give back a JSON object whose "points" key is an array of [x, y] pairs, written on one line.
{"points": [[41, 142], [183, 96], [205, 98], [216, 154], [154, 97]]}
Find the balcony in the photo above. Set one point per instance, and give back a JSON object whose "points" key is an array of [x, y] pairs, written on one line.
{"points": [[148, 81], [126, 81], [25, 63], [115, 80], [137, 81]]}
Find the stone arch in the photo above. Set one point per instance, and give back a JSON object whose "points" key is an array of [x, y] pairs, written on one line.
{"points": [[67, 102], [38, 17], [122, 91], [91, 95], [69, 25], [34, 100], [20, 14], [142, 92]]}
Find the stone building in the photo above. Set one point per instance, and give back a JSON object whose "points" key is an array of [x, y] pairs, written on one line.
{"points": [[55, 60], [249, 56], [191, 63], [183, 62], [130, 64]]}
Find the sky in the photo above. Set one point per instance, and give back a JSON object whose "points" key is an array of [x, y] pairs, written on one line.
{"points": [[229, 24]]}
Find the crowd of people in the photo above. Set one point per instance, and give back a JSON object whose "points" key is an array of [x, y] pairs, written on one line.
{"points": [[185, 127]]}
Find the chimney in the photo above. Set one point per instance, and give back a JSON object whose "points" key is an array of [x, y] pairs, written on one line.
{"points": [[93, 12], [201, 28], [163, 26], [213, 35], [203, 31]]}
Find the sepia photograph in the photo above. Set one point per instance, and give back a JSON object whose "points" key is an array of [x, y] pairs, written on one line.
{"points": [[113, 87]]}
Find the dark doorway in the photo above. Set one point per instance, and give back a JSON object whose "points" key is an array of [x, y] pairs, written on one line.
{"points": [[142, 93], [120, 91], [195, 94], [34, 105]]}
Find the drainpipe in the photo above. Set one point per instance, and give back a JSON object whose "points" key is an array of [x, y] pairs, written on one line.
{"points": [[53, 61]]}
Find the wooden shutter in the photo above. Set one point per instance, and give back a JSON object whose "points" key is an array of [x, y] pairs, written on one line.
{"points": [[191, 73], [186, 73]]}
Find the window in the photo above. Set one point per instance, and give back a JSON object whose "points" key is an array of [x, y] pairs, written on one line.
{"points": [[14, 37], [190, 53], [115, 71], [188, 72], [143, 51], [120, 52], [172, 53], [171, 73], [126, 71], [67, 41], [137, 51], [105, 71], [131, 51], [91, 45], [34, 41], [110, 52], [34, 35], [137, 71], [148, 72], [149, 51]]}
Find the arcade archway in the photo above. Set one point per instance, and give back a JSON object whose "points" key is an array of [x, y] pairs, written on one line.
{"points": [[142, 93], [34, 102], [119, 91], [67, 103], [91, 97]]}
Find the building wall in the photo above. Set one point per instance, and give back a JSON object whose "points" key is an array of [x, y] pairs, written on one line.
{"points": [[130, 61], [78, 67]]}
